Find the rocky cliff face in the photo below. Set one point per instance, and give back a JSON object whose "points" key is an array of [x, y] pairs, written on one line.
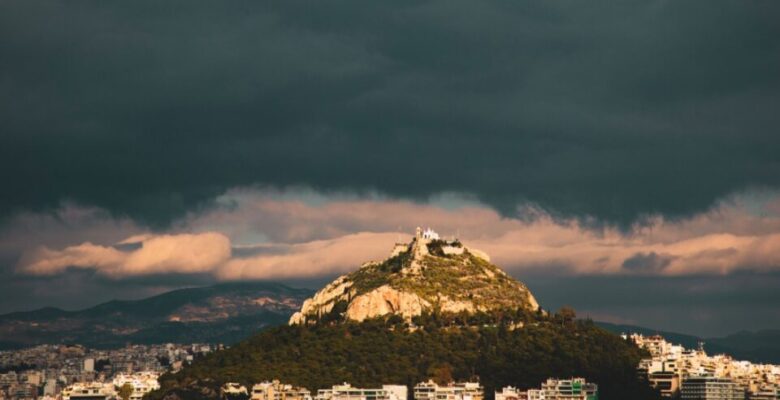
{"points": [[425, 275]]}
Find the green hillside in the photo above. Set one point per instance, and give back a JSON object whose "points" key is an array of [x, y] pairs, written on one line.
{"points": [[380, 351]]}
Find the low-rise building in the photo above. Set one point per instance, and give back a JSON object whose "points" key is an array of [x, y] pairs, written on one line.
{"points": [[453, 391], [553, 389], [276, 390], [711, 388], [511, 393], [233, 391], [347, 392], [89, 391], [142, 383]]}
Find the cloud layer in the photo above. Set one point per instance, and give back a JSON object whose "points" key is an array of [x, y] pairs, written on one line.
{"points": [[266, 234]]}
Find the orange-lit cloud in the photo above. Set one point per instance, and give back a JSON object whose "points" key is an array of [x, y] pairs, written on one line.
{"points": [[281, 235], [182, 253]]}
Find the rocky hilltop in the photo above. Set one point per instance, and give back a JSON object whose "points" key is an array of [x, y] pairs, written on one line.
{"points": [[428, 274]]}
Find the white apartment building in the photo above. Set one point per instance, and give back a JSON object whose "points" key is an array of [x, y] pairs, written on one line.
{"points": [[711, 388], [553, 389], [142, 383], [453, 391], [511, 393], [89, 391], [276, 390], [347, 392]]}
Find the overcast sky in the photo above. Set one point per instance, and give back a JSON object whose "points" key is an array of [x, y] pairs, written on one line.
{"points": [[620, 157]]}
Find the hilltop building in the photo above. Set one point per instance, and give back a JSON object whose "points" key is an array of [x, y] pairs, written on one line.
{"points": [[453, 391], [428, 234]]}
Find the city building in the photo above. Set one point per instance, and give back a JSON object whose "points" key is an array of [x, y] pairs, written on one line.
{"points": [[347, 392], [511, 393], [710, 388], [142, 383], [553, 389], [233, 390], [452, 391], [89, 364], [277, 391], [89, 391]]}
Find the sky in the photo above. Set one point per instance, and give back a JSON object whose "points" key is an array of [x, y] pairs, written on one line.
{"points": [[618, 157]]}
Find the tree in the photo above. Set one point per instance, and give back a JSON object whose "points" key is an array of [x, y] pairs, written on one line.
{"points": [[441, 373], [567, 314], [125, 391]]}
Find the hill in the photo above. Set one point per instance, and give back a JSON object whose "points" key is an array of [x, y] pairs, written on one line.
{"points": [[424, 276], [433, 309], [378, 351], [222, 313]]}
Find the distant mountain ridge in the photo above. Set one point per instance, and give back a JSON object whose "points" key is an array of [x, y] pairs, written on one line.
{"points": [[759, 347], [221, 313]]}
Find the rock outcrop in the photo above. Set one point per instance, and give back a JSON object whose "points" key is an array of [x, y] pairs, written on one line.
{"points": [[385, 300], [426, 275]]}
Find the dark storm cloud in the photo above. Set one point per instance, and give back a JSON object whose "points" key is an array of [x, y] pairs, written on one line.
{"points": [[150, 109]]}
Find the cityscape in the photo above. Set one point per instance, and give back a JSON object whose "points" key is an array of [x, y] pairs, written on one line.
{"points": [[63, 371], [59, 372], [692, 373]]}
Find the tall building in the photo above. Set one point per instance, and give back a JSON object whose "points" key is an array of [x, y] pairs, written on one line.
{"points": [[453, 391], [89, 364], [347, 392], [711, 388], [50, 388]]}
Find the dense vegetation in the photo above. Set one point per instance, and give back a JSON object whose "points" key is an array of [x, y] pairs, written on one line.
{"points": [[386, 351]]}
